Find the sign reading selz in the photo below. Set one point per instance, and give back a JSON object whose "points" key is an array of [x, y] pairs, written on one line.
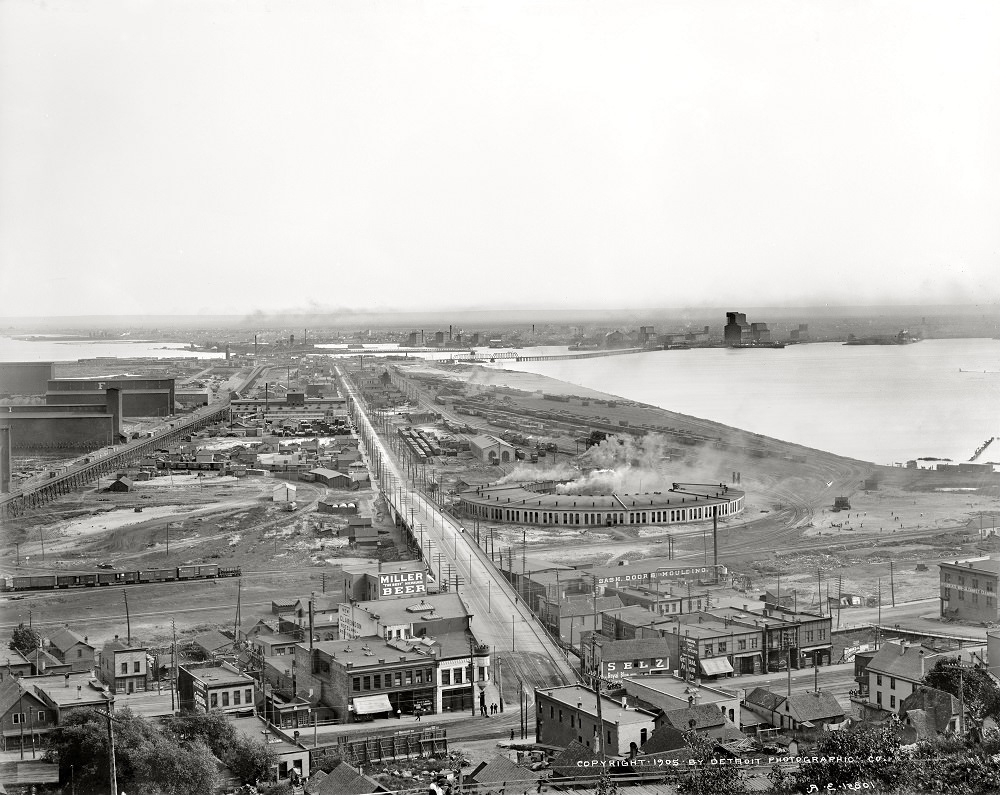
{"points": [[401, 583], [616, 669]]}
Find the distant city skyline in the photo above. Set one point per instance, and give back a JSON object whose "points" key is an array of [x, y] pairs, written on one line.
{"points": [[305, 157]]}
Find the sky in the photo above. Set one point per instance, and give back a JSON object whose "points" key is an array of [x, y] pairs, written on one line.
{"points": [[217, 156]]}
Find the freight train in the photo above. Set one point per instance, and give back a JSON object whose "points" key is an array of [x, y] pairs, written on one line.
{"points": [[52, 582]]}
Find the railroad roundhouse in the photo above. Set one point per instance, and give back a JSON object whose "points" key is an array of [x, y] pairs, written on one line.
{"points": [[541, 504]]}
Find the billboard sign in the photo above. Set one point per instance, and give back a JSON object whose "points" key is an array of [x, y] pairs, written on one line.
{"points": [[401, 583], [616, 669]]}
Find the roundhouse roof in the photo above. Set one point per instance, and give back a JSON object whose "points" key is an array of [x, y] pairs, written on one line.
{"points": [[514, 495]]}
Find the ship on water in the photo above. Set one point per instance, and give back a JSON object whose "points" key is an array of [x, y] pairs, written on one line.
{"points": [[902, 338]]}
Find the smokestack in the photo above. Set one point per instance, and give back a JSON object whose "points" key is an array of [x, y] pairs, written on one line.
{"points": [[449, 332], [113, 401], [5, 460]]}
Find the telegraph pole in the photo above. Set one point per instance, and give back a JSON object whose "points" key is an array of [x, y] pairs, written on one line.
{"points": [[113, 772], [128, 621]]}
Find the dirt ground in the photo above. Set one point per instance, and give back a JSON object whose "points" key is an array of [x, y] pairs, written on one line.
{"points": [[788, 528]]}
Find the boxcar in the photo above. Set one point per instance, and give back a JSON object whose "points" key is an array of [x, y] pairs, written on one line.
{"points": [[157, 575], [131, 576], [110, 577], [88, 580]]}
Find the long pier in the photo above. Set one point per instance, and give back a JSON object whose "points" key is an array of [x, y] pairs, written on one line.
{"points": [[510, 355], [63, 482]]}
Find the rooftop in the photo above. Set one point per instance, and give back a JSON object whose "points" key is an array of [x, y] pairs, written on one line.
{"points": [[904, 662], [215, 675], [67, 691], [987, 565], [369, 651], [515, 496], [583, 698], [64, 639], [406, 611], [675, 687]]}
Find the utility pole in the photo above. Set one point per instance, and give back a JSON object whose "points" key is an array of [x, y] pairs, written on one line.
{"points": [[113, 772], [173, 667], [128, 621], [892, 584], [819, 590], [878, 623]]}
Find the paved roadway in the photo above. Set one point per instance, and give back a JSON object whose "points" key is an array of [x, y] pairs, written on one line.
{"points": [[526, 653]]}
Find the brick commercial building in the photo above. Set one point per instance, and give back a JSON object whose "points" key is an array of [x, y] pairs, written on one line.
{"points": [[969, 589], [208, 686], [375, 677]]}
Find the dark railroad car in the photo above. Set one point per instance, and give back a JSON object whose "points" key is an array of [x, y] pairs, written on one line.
{"points": [[110, 577], [157, 575], [200, 572]]}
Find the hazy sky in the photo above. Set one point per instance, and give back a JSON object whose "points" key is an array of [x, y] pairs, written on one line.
{"points": [[187, 157]]}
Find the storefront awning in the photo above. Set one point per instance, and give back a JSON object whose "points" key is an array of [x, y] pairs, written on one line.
{"points": [[370, 705], [719, 665], [816, 648], [747, 654]]}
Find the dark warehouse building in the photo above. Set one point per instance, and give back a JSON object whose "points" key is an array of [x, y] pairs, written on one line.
{"points": [[71, 427], [141, 397], [25, 378]]}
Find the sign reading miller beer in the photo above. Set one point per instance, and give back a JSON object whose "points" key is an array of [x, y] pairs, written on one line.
{"points": [[401, 583]]}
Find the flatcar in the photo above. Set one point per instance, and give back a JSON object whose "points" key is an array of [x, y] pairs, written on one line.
{"points": [[46, 582]]}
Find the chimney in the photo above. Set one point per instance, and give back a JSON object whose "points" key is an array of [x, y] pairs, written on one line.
{"points": [[921, 663], [902, 648]]}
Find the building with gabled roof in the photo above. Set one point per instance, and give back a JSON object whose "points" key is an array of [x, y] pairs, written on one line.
{"points": [[24, 717], [13, 663], [345, 780], [667, 693], [930, 712], [705, 719], [896, 671], [515, 779], [69, 647], [213, 643], [812, 710]]}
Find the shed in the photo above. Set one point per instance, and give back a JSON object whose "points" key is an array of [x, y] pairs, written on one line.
{"points": [[121, 484]]}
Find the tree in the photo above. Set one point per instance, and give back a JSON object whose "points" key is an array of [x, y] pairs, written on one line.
{"points": [[846, 757], [704, 778], [24, 639], [979, 691], [249, 759], [146, 760], [954, 766]]}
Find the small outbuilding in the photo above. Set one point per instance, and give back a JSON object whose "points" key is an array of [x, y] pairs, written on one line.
{"points": [[121, 484]]}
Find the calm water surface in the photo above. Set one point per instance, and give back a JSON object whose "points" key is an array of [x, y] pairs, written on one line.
{"points": [[878, 403], [45, 350]]}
